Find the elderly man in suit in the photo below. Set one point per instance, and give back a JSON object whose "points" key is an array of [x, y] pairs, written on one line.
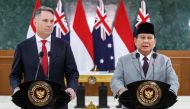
{"points": [[147, 65], [57, 61]]}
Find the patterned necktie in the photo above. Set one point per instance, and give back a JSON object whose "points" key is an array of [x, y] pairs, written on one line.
{"points": [[45, 57], [145, 65]]}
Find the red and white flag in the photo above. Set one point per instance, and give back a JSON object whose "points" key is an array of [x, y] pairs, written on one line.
{"points": [[122, 34], [32, 30], [81, 41]]}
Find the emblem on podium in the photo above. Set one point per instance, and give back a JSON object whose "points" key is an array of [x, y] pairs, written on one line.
{"points": [[91, 80], [149, 93], [40, 93]]}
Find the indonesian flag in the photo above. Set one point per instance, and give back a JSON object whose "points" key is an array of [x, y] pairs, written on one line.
{"points": [[32, 30], [122, 34], [81, 41]]}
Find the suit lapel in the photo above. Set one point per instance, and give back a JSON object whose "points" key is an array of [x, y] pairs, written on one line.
{"points": [[138, 65], [52, 54], [34, 51], [150, 69]]}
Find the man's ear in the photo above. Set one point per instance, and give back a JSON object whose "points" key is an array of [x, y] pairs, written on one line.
{"points": [[135, 40], [34, 21], [155, 40]]}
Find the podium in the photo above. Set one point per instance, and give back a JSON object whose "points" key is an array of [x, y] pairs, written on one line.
{"points": [[40, 93], [148, 94]]}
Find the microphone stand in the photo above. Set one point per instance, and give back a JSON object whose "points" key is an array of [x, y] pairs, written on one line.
{"points": [[49, 55], [138, 56], [154, 55], [41, 54]]}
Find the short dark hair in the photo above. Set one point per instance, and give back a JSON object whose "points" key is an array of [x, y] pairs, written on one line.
{"points": [[43, 8]]}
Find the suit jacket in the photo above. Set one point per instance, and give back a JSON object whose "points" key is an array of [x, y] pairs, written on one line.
{"points": [[129, 70], [61, 63]]}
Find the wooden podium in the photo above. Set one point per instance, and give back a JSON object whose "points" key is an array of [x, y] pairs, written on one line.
{"points": [[40, 93], [148, 94]]}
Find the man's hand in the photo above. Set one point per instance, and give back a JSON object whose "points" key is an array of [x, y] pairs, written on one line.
{"points": [[16, 90], [121, 91], [71, 93]]}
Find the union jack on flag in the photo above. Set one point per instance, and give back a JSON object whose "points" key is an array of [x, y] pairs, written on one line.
{"points": [[61, 29], [142, 16], [103, 40]]}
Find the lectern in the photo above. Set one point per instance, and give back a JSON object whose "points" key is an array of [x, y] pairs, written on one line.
{"points": [[40, 93], [148, 94]]}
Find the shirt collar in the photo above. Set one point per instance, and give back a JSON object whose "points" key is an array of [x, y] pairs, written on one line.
{"points": [[142, 56], [38, 38]]}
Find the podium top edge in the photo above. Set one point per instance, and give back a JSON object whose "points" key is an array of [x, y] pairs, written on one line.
{"points": [[96, 73]]}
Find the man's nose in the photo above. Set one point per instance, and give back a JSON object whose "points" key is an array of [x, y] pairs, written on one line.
{"points": [[50, 24], [145, 40]]}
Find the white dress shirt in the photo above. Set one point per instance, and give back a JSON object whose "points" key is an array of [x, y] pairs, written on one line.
{"points": [[39, 44], [141, 57]]}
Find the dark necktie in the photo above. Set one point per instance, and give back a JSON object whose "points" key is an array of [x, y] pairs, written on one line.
{"points": [[145, 65], [44, 58]]}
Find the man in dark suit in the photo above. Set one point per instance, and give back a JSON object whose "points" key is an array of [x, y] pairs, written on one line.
{"points": [[57, 61]]}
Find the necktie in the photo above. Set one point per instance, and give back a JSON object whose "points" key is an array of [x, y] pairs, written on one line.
{"points": [[145, 65], [45, 57]]}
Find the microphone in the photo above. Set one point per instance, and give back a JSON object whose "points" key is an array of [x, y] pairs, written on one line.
{"points": [[138, 56], [49, 55], [41, 54], [154, 55]]}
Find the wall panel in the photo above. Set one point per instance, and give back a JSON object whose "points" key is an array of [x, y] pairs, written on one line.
{"points": [[180, 60]]}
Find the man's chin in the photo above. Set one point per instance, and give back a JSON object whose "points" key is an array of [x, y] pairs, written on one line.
{"points": [[146, 50], [48, 33]]}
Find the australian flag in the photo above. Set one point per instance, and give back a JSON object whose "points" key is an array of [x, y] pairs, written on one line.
{"points": [[103, 41], [61, 29]]}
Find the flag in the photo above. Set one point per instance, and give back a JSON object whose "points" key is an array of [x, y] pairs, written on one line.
{"points": [[122, 33], [142, 16], [103, 40], [32, 30], [61, 29], [81, 41]]}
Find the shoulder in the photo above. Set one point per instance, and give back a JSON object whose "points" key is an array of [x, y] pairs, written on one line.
{"points": [[60, 41], [127, 57], [26, 41], [162, 58]]}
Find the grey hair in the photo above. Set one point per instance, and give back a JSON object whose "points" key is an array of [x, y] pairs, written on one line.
{"points": [[43, 8]]}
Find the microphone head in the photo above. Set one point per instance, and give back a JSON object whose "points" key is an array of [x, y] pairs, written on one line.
{"points": [[137, 55], [41, 54], [154, 55]]}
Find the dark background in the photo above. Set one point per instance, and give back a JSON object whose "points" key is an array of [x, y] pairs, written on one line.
{"points": [[170, 17]]}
